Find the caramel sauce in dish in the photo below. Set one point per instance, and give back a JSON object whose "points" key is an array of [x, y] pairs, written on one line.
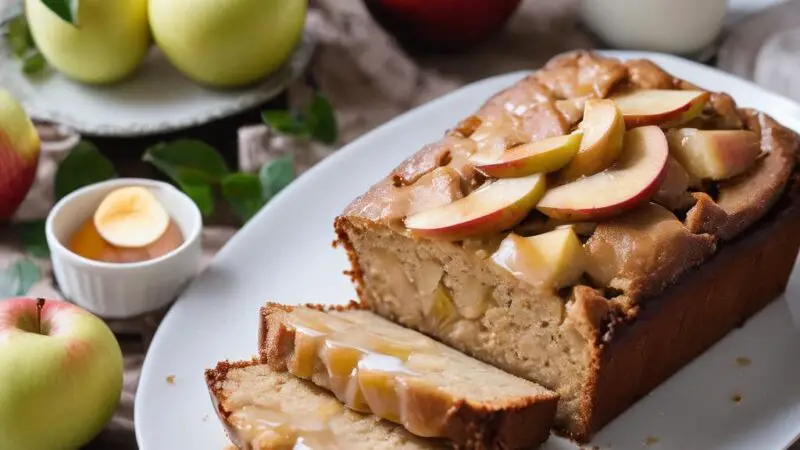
{"points": [[365, 371], [129, 226]]}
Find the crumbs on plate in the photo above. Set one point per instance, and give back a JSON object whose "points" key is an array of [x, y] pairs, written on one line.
{"points": [[737, 398], [651, 440], [743, 361], [170, 379]]}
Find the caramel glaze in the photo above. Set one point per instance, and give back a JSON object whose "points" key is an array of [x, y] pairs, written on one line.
{"points": [[366, 371]]}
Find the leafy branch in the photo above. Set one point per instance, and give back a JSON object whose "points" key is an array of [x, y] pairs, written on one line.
{"points": [[201, 172], [317, 121]]}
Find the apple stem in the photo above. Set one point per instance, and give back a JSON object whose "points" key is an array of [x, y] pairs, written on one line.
{"points": [[39, 306]]}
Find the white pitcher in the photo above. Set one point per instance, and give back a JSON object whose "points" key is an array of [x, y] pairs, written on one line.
{"points": [[674, 26]]}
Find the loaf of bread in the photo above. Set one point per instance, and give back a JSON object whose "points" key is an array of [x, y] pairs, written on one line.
{"points": [[607, 303], [261, 409], [375, 366]]}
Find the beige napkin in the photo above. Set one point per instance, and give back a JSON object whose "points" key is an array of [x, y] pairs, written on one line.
{"points": [[765, 48]]}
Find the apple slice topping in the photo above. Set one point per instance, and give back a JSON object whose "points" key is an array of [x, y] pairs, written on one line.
{"points": [[673, 193], [633, 180], [490, 209], [663, 107], [714, 154], [550, 260], [544, 156], [603, 129], [131, 217]]}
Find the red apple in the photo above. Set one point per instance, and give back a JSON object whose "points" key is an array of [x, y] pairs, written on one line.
{"points": [[544, 156], [633, 180], [490, 209], [603, 129], [714, 154], [441, 24], [19, 154], [663, 107], [60, 374]]}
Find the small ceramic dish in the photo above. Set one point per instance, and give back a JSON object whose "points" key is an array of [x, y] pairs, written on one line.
{"points": [[122, 290]]}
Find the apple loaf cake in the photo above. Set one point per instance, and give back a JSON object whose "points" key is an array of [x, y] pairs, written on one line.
{"points": [[375, 366], [591, 228], [266, 410]]}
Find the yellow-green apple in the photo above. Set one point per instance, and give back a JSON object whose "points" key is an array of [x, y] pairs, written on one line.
{"points": [[19, 154], [603, 129], [61, 372], [490, 209], [226, 44], [550, 260], [108, 43], [630, 182], [663, 107], [544, 156], [714, 154]]}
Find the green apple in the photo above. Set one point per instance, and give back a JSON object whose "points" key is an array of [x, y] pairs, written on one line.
{"points": [[19, 154], [109, 42], [61, 372], [227, 43]]}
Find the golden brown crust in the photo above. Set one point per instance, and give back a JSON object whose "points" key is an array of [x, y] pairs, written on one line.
{"points": [[519, 423], [685, 320]]}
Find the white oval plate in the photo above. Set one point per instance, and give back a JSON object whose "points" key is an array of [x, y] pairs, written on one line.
{"points": [[285, 254], [155, 99]]}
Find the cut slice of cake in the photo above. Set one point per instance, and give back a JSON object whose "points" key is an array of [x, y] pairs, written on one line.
{"points": [[261, 409], [373, 365]]}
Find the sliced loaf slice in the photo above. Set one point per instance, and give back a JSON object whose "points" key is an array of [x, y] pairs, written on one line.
{"points": [[266, 410], [374, 365]]}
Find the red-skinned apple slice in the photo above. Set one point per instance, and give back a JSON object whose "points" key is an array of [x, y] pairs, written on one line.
{"points": [[663, 107], [634, 178], [714, 154], [488, 210], [544, 156], [603, 129]]}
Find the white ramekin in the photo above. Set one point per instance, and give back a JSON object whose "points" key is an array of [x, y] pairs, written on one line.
{"points": [[122, 290]]}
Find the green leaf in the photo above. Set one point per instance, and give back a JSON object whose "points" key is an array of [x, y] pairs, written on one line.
{"points": [[187, 160], [286, 122], [67, 10], [322, 120], [33, 238], [18, 278], [18, 36], [33, 63], [202, 194], [84, 165], [193, 165], [243, 193], [276, 175]]}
